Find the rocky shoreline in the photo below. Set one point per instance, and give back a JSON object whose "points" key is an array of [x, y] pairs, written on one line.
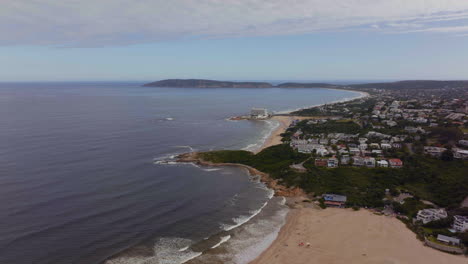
{"points": [[280, 190]]}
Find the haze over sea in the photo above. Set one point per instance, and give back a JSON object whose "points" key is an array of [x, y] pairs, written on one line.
{"points": [[79, 182]]}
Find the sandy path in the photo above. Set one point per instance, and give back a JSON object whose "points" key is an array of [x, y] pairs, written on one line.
{"points": [[344, 236]]}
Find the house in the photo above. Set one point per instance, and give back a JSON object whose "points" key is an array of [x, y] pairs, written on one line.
{"points": [[323, 141], [385, 146], [334, 200], [460, 223], [354, 151], [362, 146], [396, 145], [395, 163], [377, 152], [369, 162], [448, 240], [429, 215], [374, 146], [434, 151], [382, 163], [463, 142], [345, 159], [460, 153], [358, 161], [321, 162], [332, 162], [258, 113], [322, 151]]}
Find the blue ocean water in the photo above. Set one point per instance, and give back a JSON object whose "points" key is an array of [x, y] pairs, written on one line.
{"points": [[78, 181]]}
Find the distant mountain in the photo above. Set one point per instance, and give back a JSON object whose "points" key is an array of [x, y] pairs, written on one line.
{"points": [[308, 85], [199, 83], [207, 84]]}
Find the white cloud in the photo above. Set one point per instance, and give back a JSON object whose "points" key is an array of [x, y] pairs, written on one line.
{"points": [[122, 22]]}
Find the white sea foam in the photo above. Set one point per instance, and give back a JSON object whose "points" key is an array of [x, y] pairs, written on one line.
{"points": [[272, 125], [183, 249], [213, 169], [258, 237], [243, 218], [223, 239], [166, 251], [189, 147]]}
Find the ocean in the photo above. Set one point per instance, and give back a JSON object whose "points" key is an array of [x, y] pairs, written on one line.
{"points": [[80, 180]]}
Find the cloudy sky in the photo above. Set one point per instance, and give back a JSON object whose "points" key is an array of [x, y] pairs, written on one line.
{"points": [[233, 39]]}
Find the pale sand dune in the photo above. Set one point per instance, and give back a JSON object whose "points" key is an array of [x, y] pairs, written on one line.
{"points": [[345, 236]]}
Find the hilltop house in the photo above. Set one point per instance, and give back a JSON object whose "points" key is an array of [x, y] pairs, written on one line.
{"points": [[429, 215]]}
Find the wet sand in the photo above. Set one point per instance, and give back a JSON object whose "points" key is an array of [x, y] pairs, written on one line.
{"points": [[347, 236]]}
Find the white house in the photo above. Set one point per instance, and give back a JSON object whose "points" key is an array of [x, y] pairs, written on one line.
{"points": [[429, 215], [382, 163], [460, 223]]}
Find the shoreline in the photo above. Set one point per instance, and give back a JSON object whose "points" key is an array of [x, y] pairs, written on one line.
{"points": [[311, 235], [285, 120], [265, 178], [336, 235]]}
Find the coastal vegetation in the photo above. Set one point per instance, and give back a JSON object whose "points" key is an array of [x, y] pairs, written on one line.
{"points": [[441, 182]]}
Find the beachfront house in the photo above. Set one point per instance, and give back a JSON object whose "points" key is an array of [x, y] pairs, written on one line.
{"points": [[448, 240], [431, 214], [460, 223], [334, 200]]}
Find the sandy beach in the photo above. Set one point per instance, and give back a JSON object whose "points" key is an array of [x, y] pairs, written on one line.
{"points": [[347, 236], [275, 136], [285, 121]]}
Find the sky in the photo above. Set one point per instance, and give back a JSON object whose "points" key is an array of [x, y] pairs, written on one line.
{"points": [[146, 40]]}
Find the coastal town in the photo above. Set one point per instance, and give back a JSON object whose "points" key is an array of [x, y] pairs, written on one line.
{"points": [[399, 153], [383, 130]]}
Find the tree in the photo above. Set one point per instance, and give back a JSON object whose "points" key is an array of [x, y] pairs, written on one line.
{"points": [[447, 155]]}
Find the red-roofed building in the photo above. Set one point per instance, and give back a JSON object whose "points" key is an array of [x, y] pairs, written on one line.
{"points": [[321, 162], [395, 163]]}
